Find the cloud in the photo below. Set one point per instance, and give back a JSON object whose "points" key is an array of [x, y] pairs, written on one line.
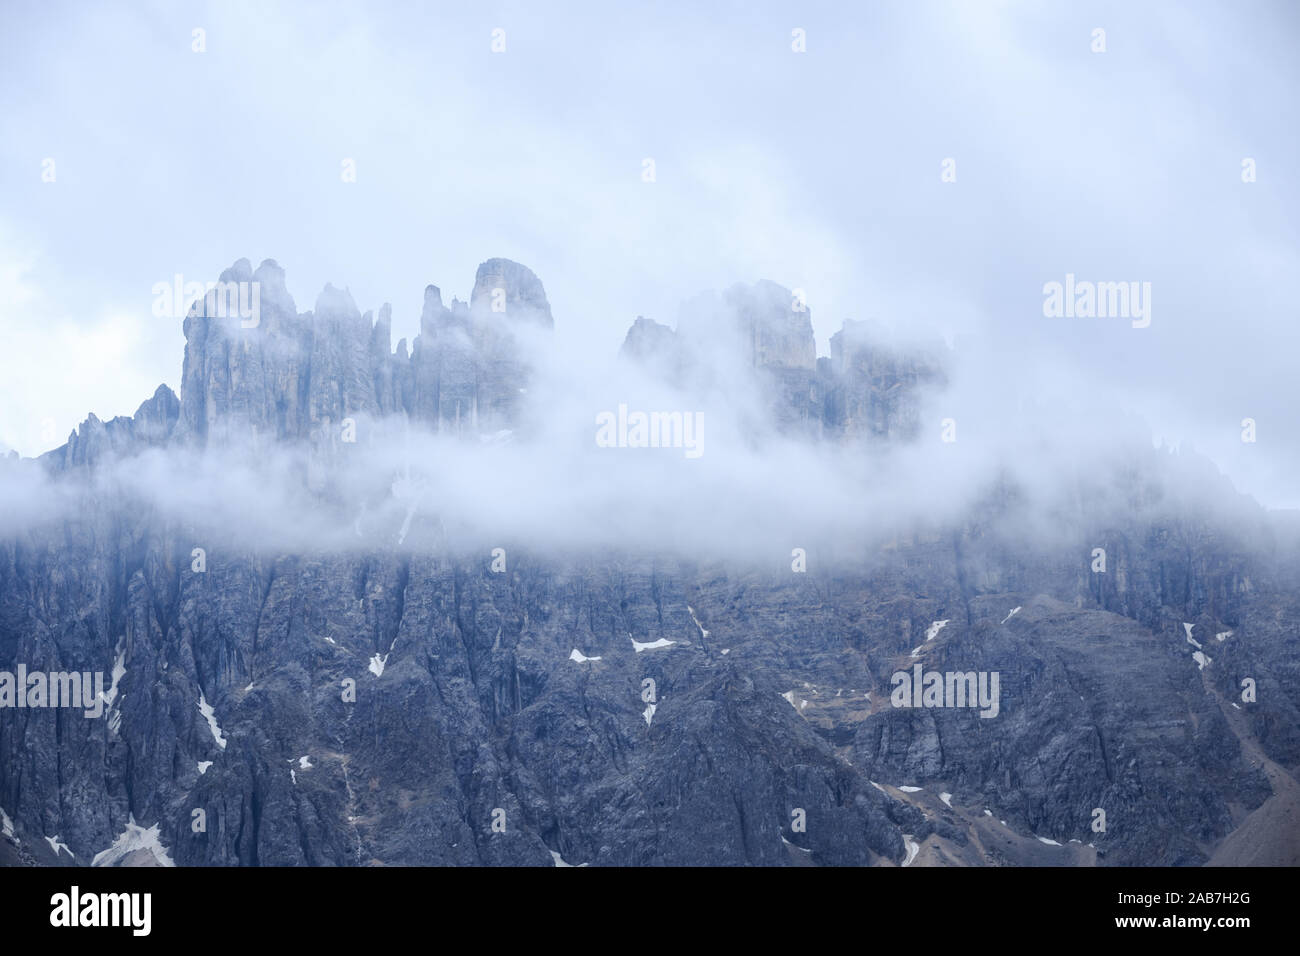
{"points": [[1070, 459], [818, 170], [56, 366]]}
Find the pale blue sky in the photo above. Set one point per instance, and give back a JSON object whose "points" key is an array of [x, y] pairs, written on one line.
{"points": [[818, 170]]}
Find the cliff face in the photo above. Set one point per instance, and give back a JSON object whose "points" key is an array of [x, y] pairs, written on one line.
{"points": [[413, 705], [294, 377], [874, 391], [864, 393], [151, 425]]}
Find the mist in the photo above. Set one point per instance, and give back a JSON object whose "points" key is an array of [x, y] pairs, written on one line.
{"points": [[746, 489], [821, 171]]}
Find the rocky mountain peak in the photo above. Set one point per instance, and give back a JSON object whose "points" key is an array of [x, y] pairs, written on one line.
{"points": [[864, 391], [502, 285], [654, 345], [152, 424], [776, 325]]}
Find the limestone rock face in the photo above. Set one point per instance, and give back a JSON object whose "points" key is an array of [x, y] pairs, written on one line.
{"points": [[875, 390], [785, 702], [655, 346], [776, 328], [506, 288], [762, 324], [298, 376], [239, 380], [525, 692], [341, 376], [864, 392], [151, 425]]}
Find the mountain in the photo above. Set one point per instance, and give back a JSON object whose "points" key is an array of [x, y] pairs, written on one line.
{"points": [[414, 698]]}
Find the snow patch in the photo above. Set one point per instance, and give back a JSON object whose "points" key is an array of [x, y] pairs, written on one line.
{"points": [[7, 827], [876, 785], [119, 671], [203, 766], [294, 777], [946, 798], [1011, 615], [789, 696], [653, 645], [911, 789], [1047, 841], [913, 848], [304, 763], [1234, 704], [1222, 636], [1201, 660], [211, 717], [703, 633], [799, 848], [726, 650], [135, 838], [332, 641], [110, 695], [1191, 640], [377, 665], [988, 813], [931, 632], [648, 713], [560, 862], [581, 658], [56, 846]]}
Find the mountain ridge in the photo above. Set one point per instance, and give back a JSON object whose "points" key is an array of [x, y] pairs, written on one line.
{"points": [[500, 710]]}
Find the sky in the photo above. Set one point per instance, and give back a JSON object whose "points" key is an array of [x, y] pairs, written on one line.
{"points": [[821, 170]]}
